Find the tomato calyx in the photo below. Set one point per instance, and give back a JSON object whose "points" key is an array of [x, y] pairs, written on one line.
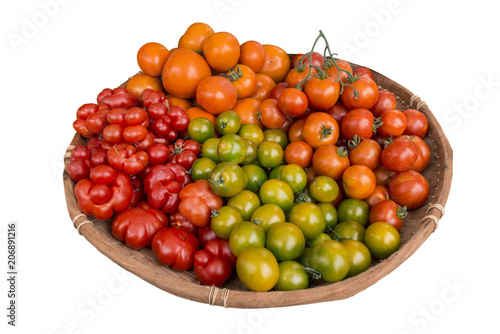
{"points": [[314, 273], [220, 180], [325, 132], [214, 213], [377, 123], [235, 73], [388, 141], [354, 142], [342, 152], [178, 149], [402, 212]]}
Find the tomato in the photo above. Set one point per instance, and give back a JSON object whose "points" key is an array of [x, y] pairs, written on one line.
{"points": [[294, 176], [139, 82], [258, 269], [319, 129], [277, 63], [275, 173], [358, 122], [276, 91], [320, 238], [331, 215], [393, 123], [292, 102], [277, 135], [246, 202], [354, 210], [334, 72], [256, 177], [322, 93], [350, 230], [417, 123], [209, 149], [409, 189], [305, 196], [267, 215], [232, 148], [295, 132], [276, 192], [399, 155], [183, 71], [309, 218], [382, 240], [359, 181], [383, 175], [297, 76], [367, 94], [243, 79], [175, 247], [331, 259], [201, 129], [364, 152], [424, 155], [265, 85], [324, 189], [379, 194], [271, 115], [253, 55], [158, 154], [285, 241], [205, 234], [224, 220], [248, 109], [194, 36], [269, 154], [292, 276], [360, 256], [315, 58], [251, 152], [216, 94], [331, 161], [202, 168], [151, 58], [222, 51], [299, 153], [386, 100], [245, 235], [363, 72], [228, 122], [227, 179], [196, 112], [388, 211]]}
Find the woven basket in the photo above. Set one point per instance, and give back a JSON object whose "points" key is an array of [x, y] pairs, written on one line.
{"points": [[417, 227]]}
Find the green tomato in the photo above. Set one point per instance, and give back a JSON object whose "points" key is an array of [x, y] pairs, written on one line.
{"points": [[360, 256], [252, 132], [224, 220], [251, 153], [292, 276], [256, 177], [227, 179], [320, 238], [246, 202], [382, 239], [257, 269], [232, 148], [285, 241], [267, 215], [228, 122], [324, 189], [295, 177], [270, 154], [331, 216], [354, 210], [276, 172], [276, 192], [350, 230], [309, 218], [304, 259], [201, 129], [209, 150], [331, 259], [245, 235], [276, 135], [202, 168]]}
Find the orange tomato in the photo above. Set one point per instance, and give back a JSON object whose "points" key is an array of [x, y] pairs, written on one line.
{"points": [[334, 72], [319, 129], [222, 51], [183, 71], [247, 110], [216, 94], [359, 181], [151, 58], [271, 115], [264, 86], [243, 79], [194, 36], [331, 161], [180, 102], [295, 131], [195, 112], [140, 82], [253, 55], [277, 64], [299, 153]]}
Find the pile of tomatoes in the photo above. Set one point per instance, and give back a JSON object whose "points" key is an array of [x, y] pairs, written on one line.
{"points": [[221, 155]]}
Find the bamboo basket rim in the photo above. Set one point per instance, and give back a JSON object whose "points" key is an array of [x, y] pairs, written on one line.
{"points": [[170, 281]]}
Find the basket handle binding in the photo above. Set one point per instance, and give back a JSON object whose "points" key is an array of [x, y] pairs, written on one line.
{"points": [[434, 218], [78, 227]]}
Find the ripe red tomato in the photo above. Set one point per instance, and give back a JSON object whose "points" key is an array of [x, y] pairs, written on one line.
{"points": [[299, 153], [417, 123], [265, 85], [399, 155], [277, 63], [383, 175], [338, 111], [424, 155], [409, 189], [297, 76], [386, 100], [393, 123], [276, 91], [183, 71], [357, 122], [359, 181], [222, 51], [216, 94], [271, 115], [330, 160], [319, 129], [364, 152], [303, 60], [367, 94], [194, 36], [388, 211], [292, 102], [295, 131], [380, 194], [253, 55], [334, 72], [151, 58], [363, 72], [322, 93]]}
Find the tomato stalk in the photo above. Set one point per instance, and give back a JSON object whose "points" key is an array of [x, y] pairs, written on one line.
{"points": [[234, 73], [220, 180], [325, 132], [342, 151], [377, 123], [315, 274], [402, 213], [354, 142]]}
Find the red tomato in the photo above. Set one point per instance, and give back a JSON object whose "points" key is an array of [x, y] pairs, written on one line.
{"points": [[386, 100], [380, 194], [424, 154], [216, 94], [222, 51], [175, 247], [183, 71], [303, 60], [399, 155], [265, 85], [363, 72], [417, 123], [357, 122], [295, 131], [253, 55], [338, 111], [276, 91], [330, 160], [367, 94], [359, 181], [292, 102], [297, 76], [319, 129], [151, 58], [393, 123], [409, 189], [334, 72], [277, 63], [271, 115], [299, 153], [322, 93], [383, 175], [365, 152], [388, 211]]}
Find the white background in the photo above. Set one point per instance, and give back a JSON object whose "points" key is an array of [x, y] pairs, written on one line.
{"points": [[445, 51]]}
